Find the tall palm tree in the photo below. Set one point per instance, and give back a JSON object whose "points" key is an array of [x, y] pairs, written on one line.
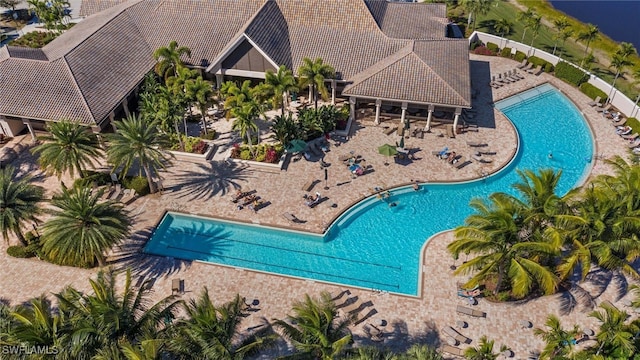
{"points": [[559, 342], [588, 35], [494, 233], [82, 228], [315, 329], [313, 74], [169, 58], [421, 352], [211, 332], [108, 320], [626, 49], [615, 337], [564, 35], [523, 17], [503, 27], [560, 24], [70, 147], [539, 199], [535, 22], [200, 91], [138, 143], [281, 83], [18, 203], [285, 129], [618, 62], [475, 8], [484, 351]]}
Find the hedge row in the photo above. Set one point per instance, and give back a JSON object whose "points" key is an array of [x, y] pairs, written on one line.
{"points": [[536, 61], [593, 92], [571, 74]]}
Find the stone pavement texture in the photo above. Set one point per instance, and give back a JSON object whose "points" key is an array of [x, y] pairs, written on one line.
{"points": [[206, 189]]}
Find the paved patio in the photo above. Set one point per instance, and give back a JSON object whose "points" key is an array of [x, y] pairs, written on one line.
{"points": [[206, 189]]}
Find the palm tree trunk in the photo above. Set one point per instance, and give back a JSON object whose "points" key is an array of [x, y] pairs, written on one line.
{"points": [[100, 260], [315, 96], [523, 34], [175, 124], [80, 172], [147, 172], [21, 238], [282, 106], [204, 119], [500, 279], [249, 142]]}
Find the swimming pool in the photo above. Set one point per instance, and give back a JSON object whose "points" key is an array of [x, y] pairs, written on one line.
{"points": [[377, 247]]}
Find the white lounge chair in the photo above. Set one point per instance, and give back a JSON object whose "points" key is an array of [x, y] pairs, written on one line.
{"points": [[522, 64], [595, 102]]}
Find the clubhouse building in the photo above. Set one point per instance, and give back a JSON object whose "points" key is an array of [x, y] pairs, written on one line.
{"points": [[391, 55]]}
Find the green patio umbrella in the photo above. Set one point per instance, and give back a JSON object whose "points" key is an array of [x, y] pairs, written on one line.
{"points": [[296, 145], [401, 143], [387, 150]]}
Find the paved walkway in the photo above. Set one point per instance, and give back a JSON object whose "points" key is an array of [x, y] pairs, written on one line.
{"points": [[206, 188]]}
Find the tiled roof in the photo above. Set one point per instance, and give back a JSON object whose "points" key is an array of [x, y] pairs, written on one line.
{"points": [[410, 21], [26, 53], [429, 72], [85, 72]]}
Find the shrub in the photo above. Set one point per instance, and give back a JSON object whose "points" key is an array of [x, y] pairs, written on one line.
{"points": [[503, 296], [19, 252], [634, 123], [260, 158], [34, 39], [493, 47], [548, 67], [271, 156], [245, 154], [519, 56], [137, 183], [208, 136], [200, 147], [475, 44], [235, 151], [540, 62], [506, 52], [592, 91], [481, 50], [571, 74], [100, 178]]}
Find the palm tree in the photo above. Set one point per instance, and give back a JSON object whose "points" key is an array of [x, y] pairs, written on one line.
{"points": [[18, 203], [245, 122], [211, 332], [475, 8], [564, 35], [169, 58], [315, 329], [138, 143], [626, 49], [37, 324], [523, 17], [615, 337], [561, 24], [285, 129], [484, 351], [540, 201], [503, 26], [558, 342], [618, 62], [83, 229], [534, 24], [313, 74], [281, 84], [106, 322], [200, 91], [373, 353], [588, 35], [421, 352], [504, 254], [70, 147]]}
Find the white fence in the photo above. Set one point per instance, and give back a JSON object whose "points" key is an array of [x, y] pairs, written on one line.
{"points": [[617, 98]]}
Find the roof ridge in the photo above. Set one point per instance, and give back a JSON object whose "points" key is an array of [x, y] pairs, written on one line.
{"points": [[77, 87], [382, 64]]}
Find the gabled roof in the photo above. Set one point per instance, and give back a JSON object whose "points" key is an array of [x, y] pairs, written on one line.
{"points": [[88, 70], [428, 72]]}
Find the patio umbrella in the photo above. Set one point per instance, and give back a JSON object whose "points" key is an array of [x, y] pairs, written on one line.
{"points": [[401, 143], [387, 150], [296, 145]]}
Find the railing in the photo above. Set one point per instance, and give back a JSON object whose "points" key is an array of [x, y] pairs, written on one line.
{"points": [[627, 106]]}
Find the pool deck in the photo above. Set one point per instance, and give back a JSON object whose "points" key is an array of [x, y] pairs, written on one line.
{"points": [[207, 188]]}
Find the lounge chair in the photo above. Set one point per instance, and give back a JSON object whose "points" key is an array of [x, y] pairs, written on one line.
{"points": [[462, 163], [467, 311], [619, 122], [515, 73], [508, 75], [375, 334], [476, 143], [486, 151], [127, 196], [595, 101], [630, 137], [355, 305], [450, 132], [452, 349], [117, 193], [390, 130], [441, 153], [309, 185], [528, 67], [522, 64], [177, 286], [634, 144], [291, 217], [456, 335], [604, 109], [536, 70]]}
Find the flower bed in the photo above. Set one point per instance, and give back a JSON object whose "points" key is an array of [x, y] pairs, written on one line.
{"points": [[264, 155]]}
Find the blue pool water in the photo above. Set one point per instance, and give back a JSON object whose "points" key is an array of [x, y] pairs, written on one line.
{"points": [[378, 247]]}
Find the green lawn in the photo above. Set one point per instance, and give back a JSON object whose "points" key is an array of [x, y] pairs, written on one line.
{"points": [[571, 51]]}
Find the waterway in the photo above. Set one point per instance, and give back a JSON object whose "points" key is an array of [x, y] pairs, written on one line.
{"points": [[620, 20]]}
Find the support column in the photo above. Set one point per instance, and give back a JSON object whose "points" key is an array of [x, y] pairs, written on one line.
{"points": [[219, 80], [112, 118], [378, 105], [28, 123], [404, 113], [333, 91], [125, 107], [455, 120], [429, 115], [352, 108]]}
